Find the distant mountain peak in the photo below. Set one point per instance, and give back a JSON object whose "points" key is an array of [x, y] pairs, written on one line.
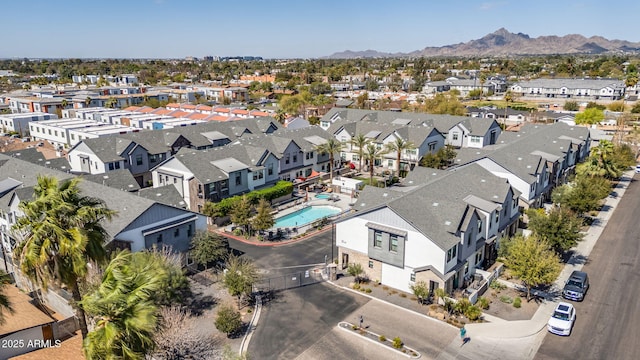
{"points": [[502, 42]]}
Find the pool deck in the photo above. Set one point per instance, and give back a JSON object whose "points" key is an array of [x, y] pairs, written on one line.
{"points": [[342, 204]]}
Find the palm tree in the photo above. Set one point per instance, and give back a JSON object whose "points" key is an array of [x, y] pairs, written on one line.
{"points": [[87, 101], [126, 316], [61, 232], [5, 304], [64, 103], [281, 115], [331, 147], [111, 103], [360, 141], [372, 153], [398, 146]]}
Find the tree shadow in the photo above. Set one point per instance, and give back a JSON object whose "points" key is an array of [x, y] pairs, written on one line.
{"points": [[199, 304]]}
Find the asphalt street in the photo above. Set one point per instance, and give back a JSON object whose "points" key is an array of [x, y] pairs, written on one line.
{"points": [[607, 324]]}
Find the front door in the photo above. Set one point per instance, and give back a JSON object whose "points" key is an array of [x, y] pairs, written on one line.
{"points": [[345, 261]]}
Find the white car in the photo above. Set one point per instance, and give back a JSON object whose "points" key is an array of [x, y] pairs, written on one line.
{"points": [[637, 169], [561, 321]]}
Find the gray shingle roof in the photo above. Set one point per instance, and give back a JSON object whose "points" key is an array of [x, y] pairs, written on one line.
{"points": [[167, 195], [120, 179]]}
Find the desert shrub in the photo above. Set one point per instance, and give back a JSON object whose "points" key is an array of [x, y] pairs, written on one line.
{"points": [[517, 302], [368, 291], [403, 295], [506, 299], [483, 302], [473, 313], [356, 287], [397, 342], [382, 338], [462, 305], [496, 285], [385, 288]]}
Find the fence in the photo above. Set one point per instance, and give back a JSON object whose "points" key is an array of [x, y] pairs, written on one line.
{"points": [[479, 287], [291, 280]]}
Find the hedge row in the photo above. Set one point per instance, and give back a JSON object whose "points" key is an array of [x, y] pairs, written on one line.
{"points": [[223, 208]]}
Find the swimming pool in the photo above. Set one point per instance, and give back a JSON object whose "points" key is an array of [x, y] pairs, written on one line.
{"points": [[305, 216], [323, 196]]}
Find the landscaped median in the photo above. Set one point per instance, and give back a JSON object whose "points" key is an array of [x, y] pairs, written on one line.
{"points": [[394, 344]]}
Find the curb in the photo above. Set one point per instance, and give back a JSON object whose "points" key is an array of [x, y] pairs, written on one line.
{"points": [[244, 345], [349, 325]]}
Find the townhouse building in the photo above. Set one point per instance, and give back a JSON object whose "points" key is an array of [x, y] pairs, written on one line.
{"points": [[439, 230], [569, 88], [19, 122], [66, 133], [465, 86], [140, 152]]}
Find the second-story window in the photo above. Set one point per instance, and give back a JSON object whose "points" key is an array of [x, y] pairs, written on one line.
{"points": [[377, 239], [270, 169], [295, 158], [479, 226], [238, 179], [452, 253], [393, 243], [138, 159], [286, 159]]}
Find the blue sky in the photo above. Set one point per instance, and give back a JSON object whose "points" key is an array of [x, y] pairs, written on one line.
{"points": [[288, 28]]}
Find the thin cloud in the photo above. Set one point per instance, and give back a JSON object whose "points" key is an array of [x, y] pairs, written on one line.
{"points": [[492, 5]]}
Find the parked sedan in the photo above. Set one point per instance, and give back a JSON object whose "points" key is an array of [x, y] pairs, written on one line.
{"points": [[561, 321]]}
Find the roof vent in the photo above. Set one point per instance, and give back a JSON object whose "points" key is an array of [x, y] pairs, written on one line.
{"points": [[362, 205], [528, 166], [483, 180], [435, 204], [447, 223], [520, 159], [385, 195], [105, 177], [434, 174]]}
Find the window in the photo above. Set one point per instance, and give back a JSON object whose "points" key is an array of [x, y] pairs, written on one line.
{"points": [[190, 230], [159, 238], [479, 226], [452, 253], [454, 136], [377, 239], [355, 157], [390, 163], [469, 239], [412, 277], [466, 268], [478, 257], [393, 243], [176, 232], [287, 158], [497, 216], [475, 139], [432, 146], [270, 169], [73, 136], [138, 159], [238, 179], [308, 155], [111, 166], [295, 158], [370, 264]]}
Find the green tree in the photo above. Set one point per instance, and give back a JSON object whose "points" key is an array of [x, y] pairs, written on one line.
{"points": [[421, 291], [207, 247], [5, 304], [360, 141], [355, 270], [616, 106], [362, 100], [444, 103], [531, 261], [87, 101], [61, 232], [228, 319], [595, 105], [263, 219], [571, 105], [398, 146], [124, 307], [583, 194], [240, 276], [111, 102], [372, 153], [560, 228], [590, 116], [241, 215], [331, 147], [280, 115]]}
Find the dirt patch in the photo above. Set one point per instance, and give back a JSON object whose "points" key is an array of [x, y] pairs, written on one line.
{"points": [[501, 304]]}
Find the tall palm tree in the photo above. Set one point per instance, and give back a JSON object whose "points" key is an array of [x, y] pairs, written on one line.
{"points": [[5, 304], [126, 316], [372, 153], [360, 142], [331, 147], [61, 232], [87, 101], [398, 146]]}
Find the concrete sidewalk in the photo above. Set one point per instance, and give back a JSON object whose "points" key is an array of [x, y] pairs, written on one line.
{"points": [[524, 328]]}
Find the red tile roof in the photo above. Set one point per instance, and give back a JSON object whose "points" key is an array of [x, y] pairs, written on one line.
{"points": [[132, 108], [197, 116]]}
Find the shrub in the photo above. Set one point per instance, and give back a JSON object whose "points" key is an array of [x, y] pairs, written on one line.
{"points": [[496, 285], [356, 286], [506, 299], [368, 291], [224, 206], [517, 302], [473, 313], [382, 338], [483, 302], [228, 320], [385, 288], [462, 305], [403, 295], [397, 342]]}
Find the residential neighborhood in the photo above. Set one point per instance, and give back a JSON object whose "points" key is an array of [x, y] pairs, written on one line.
{"points": [[466, 201]]}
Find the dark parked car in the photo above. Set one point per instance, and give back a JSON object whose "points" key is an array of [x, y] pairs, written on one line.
{"points": [[576, 287]]}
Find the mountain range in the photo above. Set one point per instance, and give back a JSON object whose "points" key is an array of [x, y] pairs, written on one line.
{"points": [[505, 43]]}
